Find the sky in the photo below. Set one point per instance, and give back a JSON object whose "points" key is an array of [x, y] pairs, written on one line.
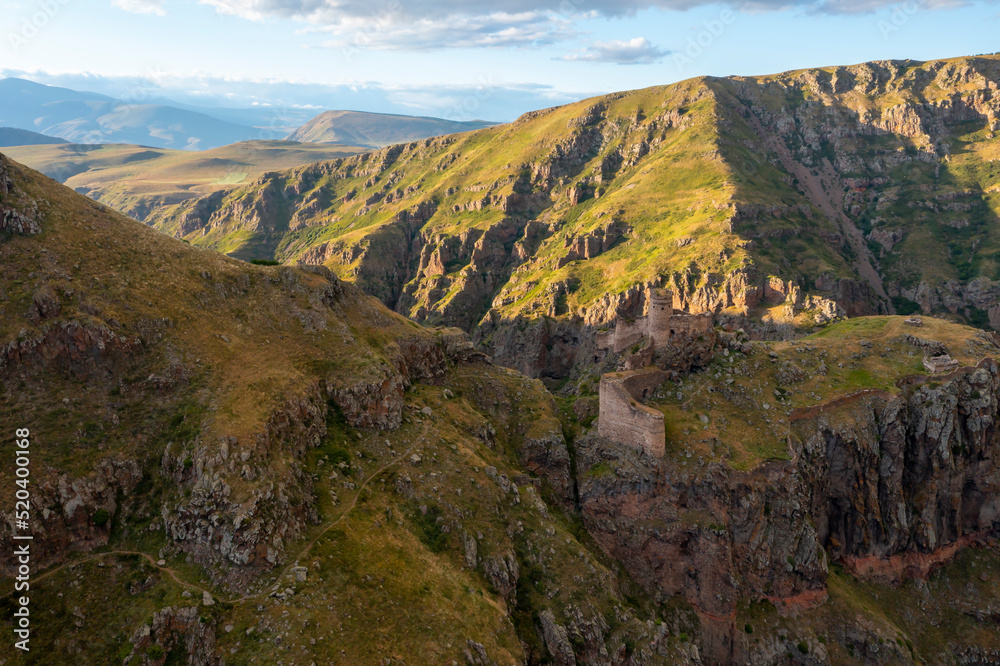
{"points": [[454, 58]]}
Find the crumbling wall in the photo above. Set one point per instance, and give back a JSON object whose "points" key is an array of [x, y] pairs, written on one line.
{"points": [[624, 419], [690, 325], [628, 333]]}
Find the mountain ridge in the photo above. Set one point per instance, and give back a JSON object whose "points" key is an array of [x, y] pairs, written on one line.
{"points": [[549, 221], [136, 180], [142, 119], [377, 130], [13, 136]]}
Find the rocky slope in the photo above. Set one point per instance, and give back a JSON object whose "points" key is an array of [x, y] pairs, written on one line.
{"points": [[784, 200], [319, 478], [239, 464], [884, 481]]}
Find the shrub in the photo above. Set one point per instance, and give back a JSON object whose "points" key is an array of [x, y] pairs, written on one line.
{"points": [[905, 306], [429, 529], [101, 517]]}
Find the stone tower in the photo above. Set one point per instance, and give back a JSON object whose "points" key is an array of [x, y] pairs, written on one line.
{"points": [[661, 310]]}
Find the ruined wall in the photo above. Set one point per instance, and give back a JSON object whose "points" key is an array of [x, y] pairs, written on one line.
{"points": [[624, 419], [690, 325], [627, 333], [660, 325]]}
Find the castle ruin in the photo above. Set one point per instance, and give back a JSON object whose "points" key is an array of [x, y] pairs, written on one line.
{"points": [[624, 419], [939, 364], [667, 334], [661, 325]]}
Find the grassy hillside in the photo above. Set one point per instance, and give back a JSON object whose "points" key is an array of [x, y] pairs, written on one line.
{"points": [[173, 388], [751, 400], [848, 190], [377, 130], [136, 179], [259, 464]]}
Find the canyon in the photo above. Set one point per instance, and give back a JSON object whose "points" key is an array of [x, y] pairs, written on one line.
{"points": [[644, 386]]}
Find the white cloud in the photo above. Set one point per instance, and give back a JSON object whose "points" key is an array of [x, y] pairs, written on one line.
{"points": [[638, 51], [395, 15], [428, 25], [141, 6], [426, 34]]}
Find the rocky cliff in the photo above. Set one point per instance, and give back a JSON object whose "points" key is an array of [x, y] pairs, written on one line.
{"points": [[235, 462], [889, 485], [786, 200]]}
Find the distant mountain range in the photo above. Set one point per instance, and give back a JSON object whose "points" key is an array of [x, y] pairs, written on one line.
{"points": [[91, 118], [12, 136], [377, 130], [82, 117]]}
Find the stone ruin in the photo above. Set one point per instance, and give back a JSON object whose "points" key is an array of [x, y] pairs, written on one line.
{"points": [[659, 327], [656, 341], [942, 363], [623, 417]]}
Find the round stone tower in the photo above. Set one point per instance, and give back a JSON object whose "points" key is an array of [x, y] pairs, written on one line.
{"points": [[661, 310]]}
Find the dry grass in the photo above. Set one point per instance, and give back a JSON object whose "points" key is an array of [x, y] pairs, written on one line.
{"points": [[851, 356]]}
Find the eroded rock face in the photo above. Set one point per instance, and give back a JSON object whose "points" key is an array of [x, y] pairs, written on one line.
{"points": [[889, 486], [236, 537], [938, 473], [71, 514], [175, 630], [18, 213], [81, 349]]}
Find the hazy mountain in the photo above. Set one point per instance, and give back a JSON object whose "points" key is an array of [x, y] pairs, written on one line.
{"points": [[82, 117], [12, 136], [358, 128]]}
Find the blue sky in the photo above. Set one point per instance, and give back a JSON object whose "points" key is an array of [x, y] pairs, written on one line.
{"points": [[453, 58]]}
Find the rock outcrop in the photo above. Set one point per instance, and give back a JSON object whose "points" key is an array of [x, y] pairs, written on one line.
{"points": [[19, 213], [175, 633], [74, 514], [889, 486]]}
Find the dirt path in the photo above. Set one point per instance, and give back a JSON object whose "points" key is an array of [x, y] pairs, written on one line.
{"points": [[357, 496], [175, 576], [99, 556]]}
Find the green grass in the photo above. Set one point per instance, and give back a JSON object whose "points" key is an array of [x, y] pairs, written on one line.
{"points": [[795, 379]]}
